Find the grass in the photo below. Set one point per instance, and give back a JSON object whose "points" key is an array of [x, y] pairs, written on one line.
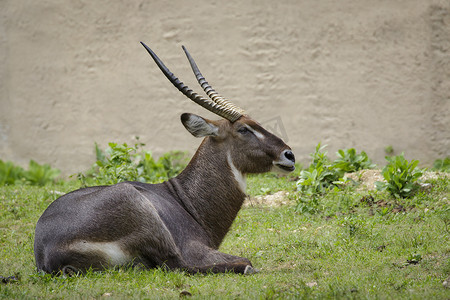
{"points": [[360, 245]]}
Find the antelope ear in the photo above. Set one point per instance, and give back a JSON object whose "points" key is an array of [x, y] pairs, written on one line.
{"points": [[198, 126]]}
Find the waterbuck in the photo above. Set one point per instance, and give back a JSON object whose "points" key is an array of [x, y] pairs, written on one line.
{"points": [[178, 224]]}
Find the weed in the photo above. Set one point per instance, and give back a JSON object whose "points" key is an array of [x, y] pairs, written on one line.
{"points": [[117, 164], [442, 165], [414, 258], [36, 174], [10, 173], [121, 162], [40, 174], [319, 176], [324, 175], [400, 176], [308, 205], [356, 226], [349, 161], [384, 211], [389, 150], [444, 215]]}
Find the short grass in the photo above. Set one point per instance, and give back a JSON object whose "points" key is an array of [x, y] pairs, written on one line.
{"points": [[360, 245]]}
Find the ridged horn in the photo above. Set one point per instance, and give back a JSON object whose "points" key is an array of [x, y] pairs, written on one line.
{"points": [[219, 109], [209, 89]]}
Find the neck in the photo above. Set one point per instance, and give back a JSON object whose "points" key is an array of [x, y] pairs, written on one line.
{"points": [[212, 189]]}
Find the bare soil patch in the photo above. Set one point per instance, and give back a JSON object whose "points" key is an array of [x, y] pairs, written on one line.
{"points": [[277, 199]]}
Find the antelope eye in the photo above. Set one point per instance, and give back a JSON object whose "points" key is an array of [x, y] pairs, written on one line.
{"points": [[243, 130]]}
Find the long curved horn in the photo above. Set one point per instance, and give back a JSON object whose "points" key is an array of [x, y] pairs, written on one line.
{"points": [[217, 108], [207, 88]]}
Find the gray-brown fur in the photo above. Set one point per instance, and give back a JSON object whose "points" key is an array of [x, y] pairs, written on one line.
{"points": [[178, 224]]}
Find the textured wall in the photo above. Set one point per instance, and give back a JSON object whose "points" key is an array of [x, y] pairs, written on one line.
{"points": [[351, 73]]}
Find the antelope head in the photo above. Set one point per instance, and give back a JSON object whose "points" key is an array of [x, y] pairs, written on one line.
{"points": [[249, 147]]}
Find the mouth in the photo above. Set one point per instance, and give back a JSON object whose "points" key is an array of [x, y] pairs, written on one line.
{"points": [[286, 168]]}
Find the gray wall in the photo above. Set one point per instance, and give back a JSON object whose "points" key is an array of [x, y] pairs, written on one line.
{"points": [[351, 73]]}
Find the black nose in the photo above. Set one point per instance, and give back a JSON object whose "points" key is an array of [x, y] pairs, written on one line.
{"points": [[289, 155]]}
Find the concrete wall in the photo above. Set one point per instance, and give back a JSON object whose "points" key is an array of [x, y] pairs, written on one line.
{"points": [[350, 73]]}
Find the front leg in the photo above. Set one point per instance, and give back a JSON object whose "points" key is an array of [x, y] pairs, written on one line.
{"points": [[245, 268], [203, 259]]}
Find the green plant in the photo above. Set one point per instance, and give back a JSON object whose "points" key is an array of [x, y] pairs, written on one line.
{"points": [[316, 180], [400, 176], [444, 215], [414, 258], [356, 226], [442, 165], [389, 150], [167, 166], [308, 204], [384, 211], [117, 164], [121, 162], [10, 173], [40, 174], [320, 175], [349, 161], [36, 174], [323, 175]]}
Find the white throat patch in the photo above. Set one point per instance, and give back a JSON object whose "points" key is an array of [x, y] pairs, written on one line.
{"points": [[238, 176]]}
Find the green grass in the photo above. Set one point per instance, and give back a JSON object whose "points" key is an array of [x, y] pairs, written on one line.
{"points": [[356, 247]]}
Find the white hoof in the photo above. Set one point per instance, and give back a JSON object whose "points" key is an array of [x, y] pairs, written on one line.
{"points": [[249, 270]]}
